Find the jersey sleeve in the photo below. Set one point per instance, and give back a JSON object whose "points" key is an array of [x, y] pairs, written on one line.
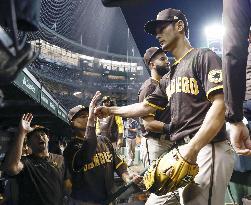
{"points": [[81, 155], [209, 71], [158, 99], [145, 91], [119, 164]]}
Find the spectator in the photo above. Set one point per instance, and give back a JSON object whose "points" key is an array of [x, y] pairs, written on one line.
{"points": [[40, 175], [132, 130]]}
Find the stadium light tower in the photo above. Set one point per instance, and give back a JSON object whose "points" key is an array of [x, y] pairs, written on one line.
{"points": [[214, 34]]}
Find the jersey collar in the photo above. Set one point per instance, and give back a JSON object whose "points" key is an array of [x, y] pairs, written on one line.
{"points": [[178, 61], [155, 79]]}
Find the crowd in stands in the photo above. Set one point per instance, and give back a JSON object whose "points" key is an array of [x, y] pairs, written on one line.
{"points": [[58, 70]]}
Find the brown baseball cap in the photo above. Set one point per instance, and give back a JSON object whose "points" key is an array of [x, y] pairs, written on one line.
{"points": [[75, 110], [150, 53], [165, 16]]}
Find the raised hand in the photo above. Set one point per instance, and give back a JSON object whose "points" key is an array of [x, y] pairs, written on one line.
{"points": [[25, 123], [93, 104]]}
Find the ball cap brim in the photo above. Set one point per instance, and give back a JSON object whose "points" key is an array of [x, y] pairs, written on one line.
{"points": [[165, 16]]}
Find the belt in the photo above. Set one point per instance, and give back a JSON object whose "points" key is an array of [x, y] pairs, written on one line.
{"points": [[183, 141], [158, 136], [187, 139]]}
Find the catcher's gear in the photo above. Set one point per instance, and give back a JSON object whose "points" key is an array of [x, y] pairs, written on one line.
{"points": [[181, 173]]}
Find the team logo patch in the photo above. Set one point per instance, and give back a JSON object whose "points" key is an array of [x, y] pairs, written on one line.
{"points": [[215, 76]]}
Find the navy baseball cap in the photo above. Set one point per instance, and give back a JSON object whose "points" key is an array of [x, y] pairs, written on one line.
{"points": [[150, 53], [165, 16]]}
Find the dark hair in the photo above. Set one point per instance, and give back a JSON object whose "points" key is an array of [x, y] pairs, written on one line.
{"points": [[44, 130]]}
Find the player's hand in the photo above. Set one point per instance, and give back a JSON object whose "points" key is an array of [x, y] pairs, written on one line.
{"points": [[93, 104], [137, 179], [188, 153], [102, 111], [132, 177], [119, 143], [25, 123], [240, 139]]}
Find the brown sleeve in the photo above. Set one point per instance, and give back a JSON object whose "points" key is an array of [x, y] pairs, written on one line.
{"points": [[236, 18], [158, 99], [88, 149], [146, 89], [209, 71], [91, 143], [120, 165]]}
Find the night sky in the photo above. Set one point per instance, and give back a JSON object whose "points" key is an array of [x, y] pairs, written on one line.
{"points": [[198, 12]]}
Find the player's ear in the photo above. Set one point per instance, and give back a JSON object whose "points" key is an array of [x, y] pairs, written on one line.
{"points": [[180, 26], [151, 65], [72, 122]]}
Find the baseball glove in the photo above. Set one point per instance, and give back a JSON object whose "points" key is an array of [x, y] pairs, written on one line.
{"points": [[182, 173]]}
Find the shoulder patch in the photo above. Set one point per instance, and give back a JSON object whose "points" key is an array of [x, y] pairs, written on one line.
{"points": [[215, 76]]}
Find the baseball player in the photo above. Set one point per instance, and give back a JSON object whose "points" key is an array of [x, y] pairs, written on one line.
{"points": [[155, 127], [194, 91], [91, 160]]}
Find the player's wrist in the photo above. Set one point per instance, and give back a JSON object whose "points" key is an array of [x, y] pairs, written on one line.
{"points": [[237, 124], [166, 129], [188, 153], [194, 147], [23, 132]]}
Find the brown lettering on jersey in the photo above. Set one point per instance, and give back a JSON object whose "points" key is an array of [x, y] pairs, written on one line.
{"points": [[182, 85]]}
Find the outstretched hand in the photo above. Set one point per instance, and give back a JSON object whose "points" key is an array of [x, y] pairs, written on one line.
{"points": [[240, 139], [102, 112], [133, 177], [25, 123]]}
